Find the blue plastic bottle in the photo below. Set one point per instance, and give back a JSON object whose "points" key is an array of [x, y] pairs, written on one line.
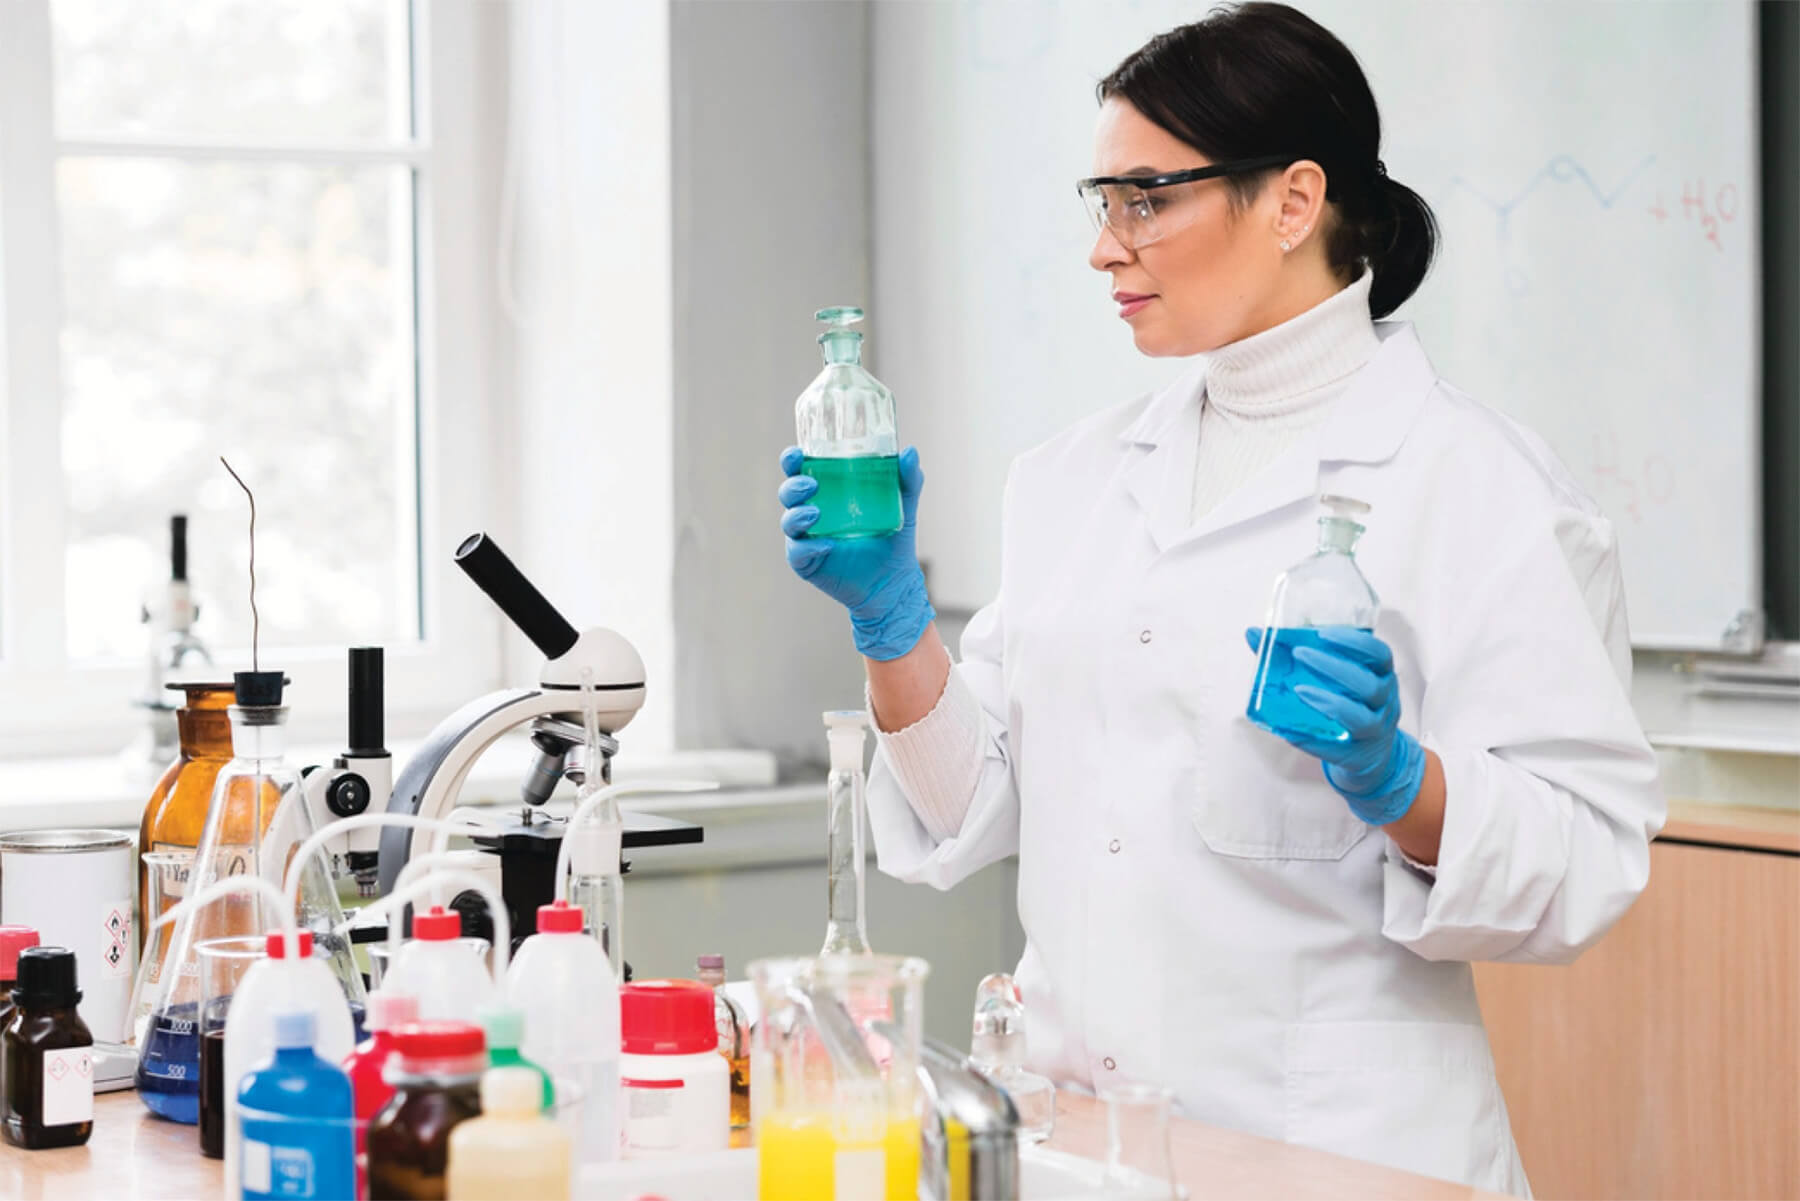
{"points": [[297, 1121], [1324, 589]]}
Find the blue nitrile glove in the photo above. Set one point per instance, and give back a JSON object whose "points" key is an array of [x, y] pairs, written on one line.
{"points": [[1380, 769], [877, 579]]}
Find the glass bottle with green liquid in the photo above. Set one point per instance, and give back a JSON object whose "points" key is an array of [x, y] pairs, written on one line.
{"points": [[846, 427]]}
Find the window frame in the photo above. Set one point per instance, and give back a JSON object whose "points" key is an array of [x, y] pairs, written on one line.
{"points": [[51, 706]]}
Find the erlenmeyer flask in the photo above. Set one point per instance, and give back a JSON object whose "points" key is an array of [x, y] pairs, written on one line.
{"points": [[255, 820]]}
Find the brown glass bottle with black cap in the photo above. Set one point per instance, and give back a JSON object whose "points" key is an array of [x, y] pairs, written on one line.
{"points": [[48, 1100]]}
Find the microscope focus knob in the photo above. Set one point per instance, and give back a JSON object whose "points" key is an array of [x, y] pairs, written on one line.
{"points": [[348, 795]]}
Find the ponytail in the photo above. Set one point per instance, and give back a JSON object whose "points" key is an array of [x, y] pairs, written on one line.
{"points": [[1397, 245]]}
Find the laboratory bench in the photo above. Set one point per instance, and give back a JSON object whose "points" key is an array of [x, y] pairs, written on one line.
{"points": [[1662, 1063], [133, 1155]]}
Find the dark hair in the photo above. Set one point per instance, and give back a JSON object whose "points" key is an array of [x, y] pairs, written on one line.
{"points": [[1258, 79]]}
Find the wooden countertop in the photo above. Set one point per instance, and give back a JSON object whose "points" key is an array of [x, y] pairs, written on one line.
{"points": [[1733, 826], [135, 1155]]}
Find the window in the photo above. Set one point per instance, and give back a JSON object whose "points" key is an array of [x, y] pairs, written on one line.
{"points": [[216, 238]]}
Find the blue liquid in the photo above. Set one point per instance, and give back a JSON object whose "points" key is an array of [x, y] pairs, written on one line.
{"points": [[168, 1067], [1273, 705], [357, 1014]]}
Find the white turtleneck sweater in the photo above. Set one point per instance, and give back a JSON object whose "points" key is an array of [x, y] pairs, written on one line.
{"points": [[1262, 393]]}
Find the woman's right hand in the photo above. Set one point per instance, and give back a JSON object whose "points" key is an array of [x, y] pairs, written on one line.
{"points": [[877, 579]]}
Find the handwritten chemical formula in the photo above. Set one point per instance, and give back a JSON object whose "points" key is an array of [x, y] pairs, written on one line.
{"points": [[1706, 210], [1629, 488], [1709, 210]]}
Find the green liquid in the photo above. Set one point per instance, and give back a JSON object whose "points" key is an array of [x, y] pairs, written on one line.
{"points": [[857, 498]]}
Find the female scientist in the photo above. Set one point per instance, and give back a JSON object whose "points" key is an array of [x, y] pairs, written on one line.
{"points": [[1281, 934]]}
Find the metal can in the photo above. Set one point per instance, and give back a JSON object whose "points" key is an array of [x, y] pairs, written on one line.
{"points": [[75, 888]]}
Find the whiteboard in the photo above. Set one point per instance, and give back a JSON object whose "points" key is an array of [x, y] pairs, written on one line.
{"points": [[1593, 169]]}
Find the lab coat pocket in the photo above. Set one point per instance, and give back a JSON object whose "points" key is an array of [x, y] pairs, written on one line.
{"points": [[1420, 1096], [1260, 798]]}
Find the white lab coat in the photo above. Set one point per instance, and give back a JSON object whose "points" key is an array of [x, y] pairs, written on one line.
{"points": [[1201, 910]]}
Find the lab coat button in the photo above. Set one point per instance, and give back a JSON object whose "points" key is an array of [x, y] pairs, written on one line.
{"points": [[1110, 1065], [1144, 636], [1113, 846]]}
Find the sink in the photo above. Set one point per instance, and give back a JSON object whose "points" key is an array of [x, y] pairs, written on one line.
{"points": [[1046, 1175]]}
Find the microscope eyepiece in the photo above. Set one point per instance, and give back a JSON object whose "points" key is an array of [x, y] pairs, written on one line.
{"points": [[506, 586]]}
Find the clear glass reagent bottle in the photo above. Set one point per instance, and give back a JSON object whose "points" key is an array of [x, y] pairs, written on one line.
{"points": [[846, 931], [848, 434], [1324, 589], [997, 1049]]}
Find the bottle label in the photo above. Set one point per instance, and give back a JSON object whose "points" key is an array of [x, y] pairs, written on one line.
{"points": [[229, 859], [116, 941], [861, 1173], [174, 879], [68, 1086], [256, 1169], [652, 1114]]}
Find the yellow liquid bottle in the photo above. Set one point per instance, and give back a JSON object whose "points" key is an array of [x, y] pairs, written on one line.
{"points": [[799, 1158], [512, 1151]]}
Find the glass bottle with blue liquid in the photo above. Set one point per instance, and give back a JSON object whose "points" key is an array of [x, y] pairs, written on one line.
{"points": [[1324, 589], [848, 434]]}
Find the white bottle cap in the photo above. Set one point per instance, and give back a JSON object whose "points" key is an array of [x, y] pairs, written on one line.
{"points": [[295, 1028], [844, 731], [595, 848], [511, 1091], [1345, 506]]}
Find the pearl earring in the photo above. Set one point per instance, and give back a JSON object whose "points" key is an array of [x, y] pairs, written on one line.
{"points": [[1285, 245]]}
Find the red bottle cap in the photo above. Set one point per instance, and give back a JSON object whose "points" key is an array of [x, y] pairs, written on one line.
{"points": [[439, 1040], [277, 945], [667, 1017], [559, 917], [437, 925], [14, 939]]}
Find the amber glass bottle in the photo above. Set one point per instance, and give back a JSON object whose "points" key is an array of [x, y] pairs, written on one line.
{"points": [[48, 1099], [176, 812]]}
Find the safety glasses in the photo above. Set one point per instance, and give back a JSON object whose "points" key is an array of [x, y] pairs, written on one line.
{"points": [[1141, 209]]}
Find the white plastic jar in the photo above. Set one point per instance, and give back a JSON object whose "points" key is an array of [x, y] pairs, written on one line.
{"points": [[675, 1083]]}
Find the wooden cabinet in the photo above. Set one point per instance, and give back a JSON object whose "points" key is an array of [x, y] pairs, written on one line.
{"points": [[1665, 1062]]}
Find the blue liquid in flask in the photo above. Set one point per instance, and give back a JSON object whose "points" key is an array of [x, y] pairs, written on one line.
{"points": [[168, 1068], [1273, 705]]}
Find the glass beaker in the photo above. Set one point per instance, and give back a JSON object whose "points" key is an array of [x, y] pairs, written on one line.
{"points": [[168, 1069], [175, 815], [1139, 1163], [223, 962], [834, 1075]]}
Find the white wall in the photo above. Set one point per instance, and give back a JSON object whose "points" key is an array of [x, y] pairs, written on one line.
{"points": [[772, 223], [589, 292]]}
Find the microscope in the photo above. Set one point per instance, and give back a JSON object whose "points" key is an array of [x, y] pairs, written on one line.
{"points": [[362, 775], [172, 645], [554, 715]]}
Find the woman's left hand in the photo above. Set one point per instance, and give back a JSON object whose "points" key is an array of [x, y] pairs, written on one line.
{"points": [[1380, 767]]}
